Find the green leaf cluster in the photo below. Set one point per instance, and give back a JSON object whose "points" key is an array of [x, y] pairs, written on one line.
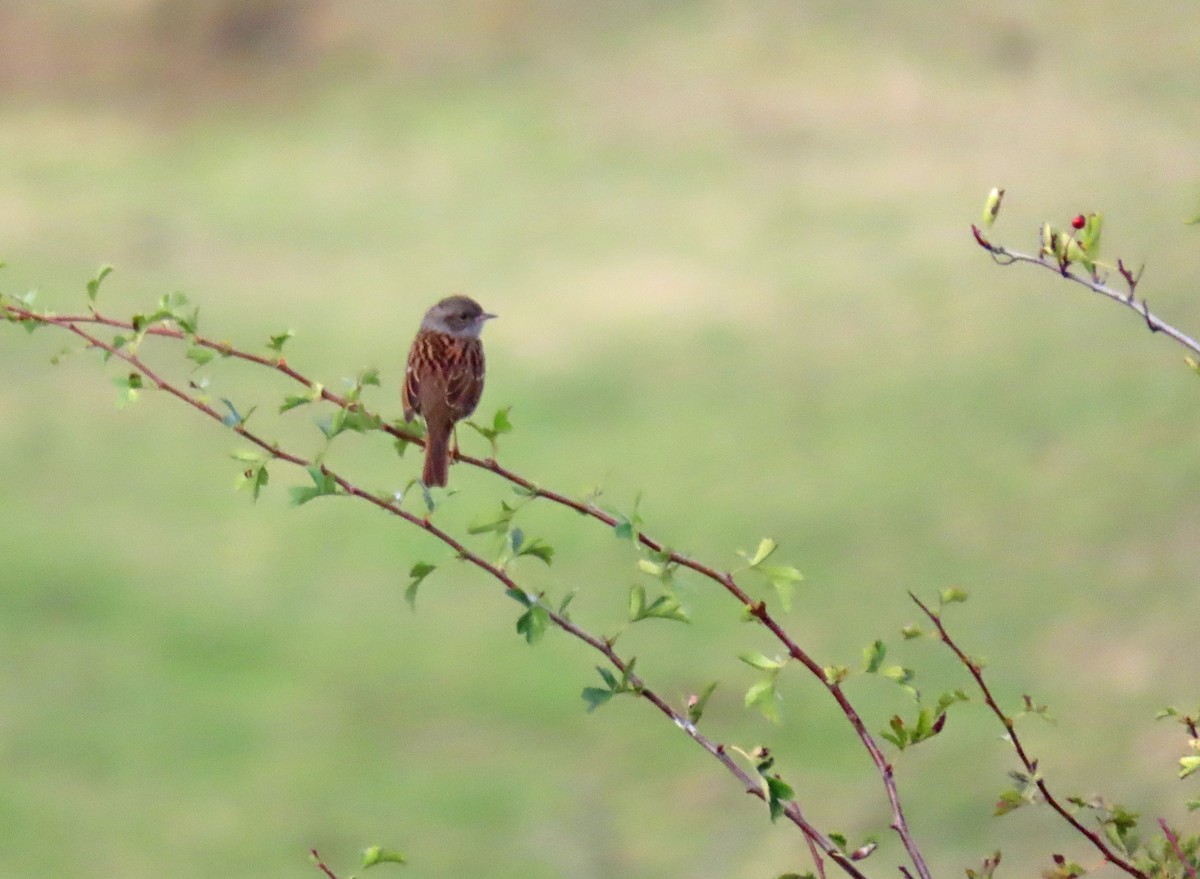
{"points": [[1078, 246], [416, 576], [628, 525], [1190, 761], [533, 623], [514, 543], [782, 578], [763, 693], [378, 855], [664, 607], [324, 484], [1024, 792], [929, 720], [778, 792], [697, 702], [613, 686], [255, 477], [500, 425], [667, 606]]}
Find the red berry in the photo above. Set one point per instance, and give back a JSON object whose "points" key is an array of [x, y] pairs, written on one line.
{"points": [[1079, 222]]}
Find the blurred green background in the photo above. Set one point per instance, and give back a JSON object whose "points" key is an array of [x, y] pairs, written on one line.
{"points": [[729, 245]]}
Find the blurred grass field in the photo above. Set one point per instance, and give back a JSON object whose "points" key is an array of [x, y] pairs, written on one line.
{"points": [[730, 250]]}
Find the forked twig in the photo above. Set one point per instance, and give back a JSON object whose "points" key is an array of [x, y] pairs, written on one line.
{"points": [[1029, 763]]}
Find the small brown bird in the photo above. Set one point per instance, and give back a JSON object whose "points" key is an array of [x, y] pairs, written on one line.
{"points": [[444, 377]]}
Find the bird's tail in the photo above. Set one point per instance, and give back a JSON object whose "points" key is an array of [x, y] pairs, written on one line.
{"points": [[437, 457]]}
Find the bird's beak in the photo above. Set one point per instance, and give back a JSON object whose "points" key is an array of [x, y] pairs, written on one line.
{"points": [[487, 316]]}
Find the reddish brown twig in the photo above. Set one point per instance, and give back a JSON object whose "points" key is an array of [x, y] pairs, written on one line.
{"points": [[1029, 763], [321, 865], [1175, 847]]}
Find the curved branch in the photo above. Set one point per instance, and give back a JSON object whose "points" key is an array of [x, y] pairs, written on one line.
{"points": [[817, 840], [756, 609], [1141, 307], [1029, 763]]}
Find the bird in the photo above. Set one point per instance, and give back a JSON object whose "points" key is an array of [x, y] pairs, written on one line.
{"points": [[443, 379]]}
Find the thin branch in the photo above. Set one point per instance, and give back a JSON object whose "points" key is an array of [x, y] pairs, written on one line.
{"points": [[757, 609], [1004, 256], [1175, 847], [321, 865], [1030, 764], [792, 810]]}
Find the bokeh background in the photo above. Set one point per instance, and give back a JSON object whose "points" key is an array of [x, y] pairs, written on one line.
{"points": [[729, 245]]}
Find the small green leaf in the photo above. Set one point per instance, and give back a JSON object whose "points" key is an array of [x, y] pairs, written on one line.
{"points": [[500, 421], [496, 523], [233, 418], [595, 697], [93, 286], [628, 526], [697, 702], [200, 355], [277, 341], [898, 673], [778, 795], [911, 631], [323, 484], [402, 442], [538, 548], [784, 580], [873, 657], [129, 387], [376, 855], [665, 607], [189, 322], [1009, 801], [766, 546], [532, 624], [637, 601], [417, 575], [359, 421], [1188, 765], [762, 695], [899, 735], [953, 595], [835, 674], [947, 699], [760, 661], [254, 478]]}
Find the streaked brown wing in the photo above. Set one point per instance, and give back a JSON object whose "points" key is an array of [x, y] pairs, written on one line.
{"points": [[464, 386], [410, 392]]}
